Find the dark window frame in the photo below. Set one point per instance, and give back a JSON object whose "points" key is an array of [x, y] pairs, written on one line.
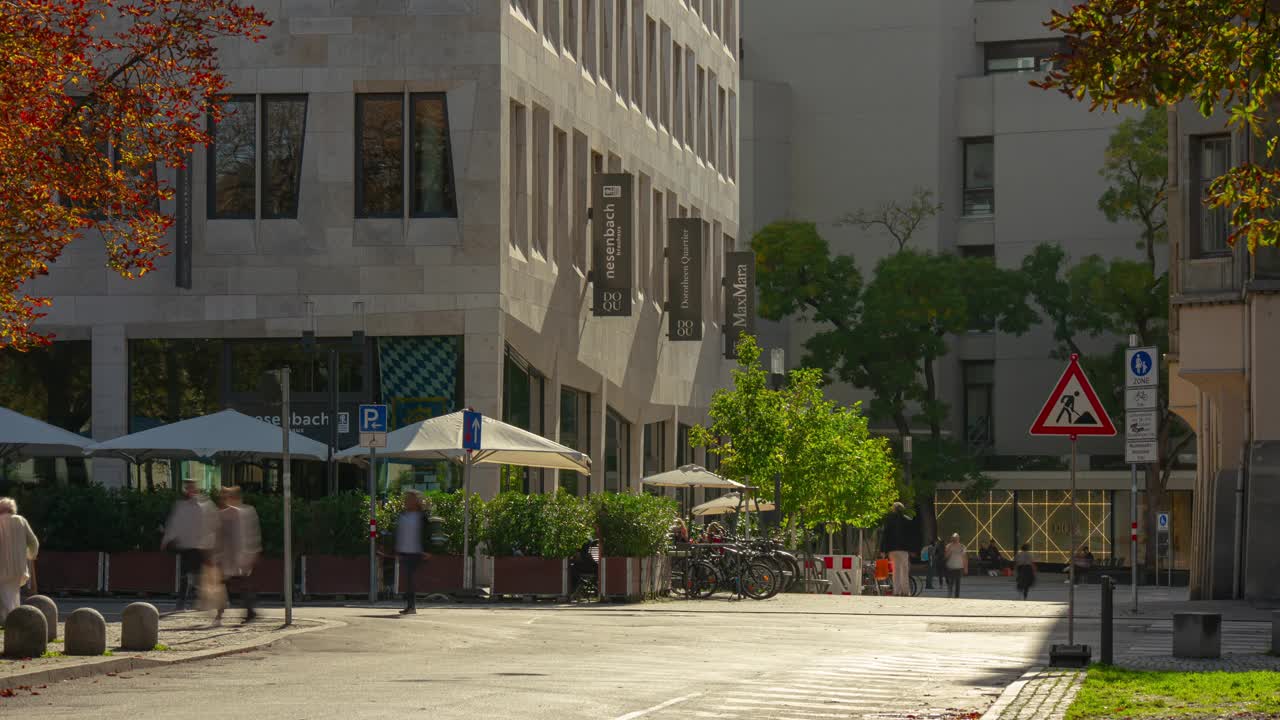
{"points": [[414, 161], [211, 158], [360, 211], [965, 190], [1198, 210], [1041, 52], [264, 187], [989, 389]]}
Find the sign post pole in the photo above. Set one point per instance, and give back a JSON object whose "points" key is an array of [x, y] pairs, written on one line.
{"points": [[1141, 391], [373, 525], [288, 498], [1071, 557], [472, 427]]}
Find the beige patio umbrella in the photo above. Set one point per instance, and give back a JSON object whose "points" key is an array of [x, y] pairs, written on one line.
{"points": [[730, 503]]}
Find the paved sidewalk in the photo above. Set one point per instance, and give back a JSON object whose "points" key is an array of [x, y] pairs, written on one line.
{"points": [[1040, 694]]}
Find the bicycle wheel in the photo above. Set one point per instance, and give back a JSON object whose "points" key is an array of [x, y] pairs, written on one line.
{"points": [[916, 587], [759, 581], [789, 569], [703, 579]]}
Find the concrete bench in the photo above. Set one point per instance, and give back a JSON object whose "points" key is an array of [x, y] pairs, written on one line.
{"points": [[1197, 635]]}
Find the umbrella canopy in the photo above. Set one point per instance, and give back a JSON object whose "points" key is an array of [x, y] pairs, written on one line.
{"points": [[22, 437], [226, 435], [690, 476], [728, 504], [440, 438]]}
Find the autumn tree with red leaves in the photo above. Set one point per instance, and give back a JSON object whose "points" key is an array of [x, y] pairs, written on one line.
{"points": [[95, 98]]}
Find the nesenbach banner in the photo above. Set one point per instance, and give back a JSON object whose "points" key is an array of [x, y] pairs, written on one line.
{"points": [[611, 249], [684, 278], [739, 299]]}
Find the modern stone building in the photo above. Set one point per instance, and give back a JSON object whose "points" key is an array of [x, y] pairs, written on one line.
{"points": [[850, 105], [1223, 343], [407, 183]]}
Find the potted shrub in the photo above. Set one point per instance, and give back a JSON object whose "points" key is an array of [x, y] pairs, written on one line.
{"points": [[443, 572], [530, 538], [268, 572], [633, 541], [333, 536]]}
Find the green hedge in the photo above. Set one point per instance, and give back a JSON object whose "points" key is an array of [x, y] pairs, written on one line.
{"points": [[551, 526], [446, 506], [634, 525]]}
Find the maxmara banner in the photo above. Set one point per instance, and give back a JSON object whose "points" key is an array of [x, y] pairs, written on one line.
{"points": [[739, 299], [611, 245], [684, 277]]}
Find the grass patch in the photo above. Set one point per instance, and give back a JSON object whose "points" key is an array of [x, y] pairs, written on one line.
{"points": [[161, 647], [1110, 692], [108, 653], [51, 654]]}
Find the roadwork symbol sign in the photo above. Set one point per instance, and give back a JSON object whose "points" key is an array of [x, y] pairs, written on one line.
{"points": [[1073, 408]]}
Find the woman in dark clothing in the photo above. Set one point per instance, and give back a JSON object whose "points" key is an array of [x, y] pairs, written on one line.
{"points": [[1026, 569]]}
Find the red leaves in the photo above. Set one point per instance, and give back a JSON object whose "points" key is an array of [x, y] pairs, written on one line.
{"points": [[73, 100]]}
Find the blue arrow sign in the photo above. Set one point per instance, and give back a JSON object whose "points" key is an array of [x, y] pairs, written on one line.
{"points": [[373, 418], [472, 422]]}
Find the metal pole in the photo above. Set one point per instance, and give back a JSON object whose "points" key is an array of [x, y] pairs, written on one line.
{"points": [[1108, 589], [333, 420], [373, 525], [1133, 531], [1071, 556], [466, 524], [288, 498]]}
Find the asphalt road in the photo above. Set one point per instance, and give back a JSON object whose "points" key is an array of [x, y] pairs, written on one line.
{"points": [[794, 657]]}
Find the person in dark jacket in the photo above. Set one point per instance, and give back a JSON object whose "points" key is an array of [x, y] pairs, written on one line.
{"points": [[898, 540], [416, 533], [939, 561]]}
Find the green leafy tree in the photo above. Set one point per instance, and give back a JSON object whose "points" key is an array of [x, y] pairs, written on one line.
{"points": [[748, 424], [1100, 298], [1219, 55], [889, 335]]}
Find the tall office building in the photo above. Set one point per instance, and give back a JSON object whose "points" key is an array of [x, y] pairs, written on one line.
{"points": [[397, 208], [849, 105]]}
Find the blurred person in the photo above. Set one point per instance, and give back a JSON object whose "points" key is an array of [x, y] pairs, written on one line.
{"points": [[679, 532], [191, 532], [957, 563], [939, 558], [928, 556], [18, 547], [898, 540], [1025, 568], [411, 528], [238, 548]]}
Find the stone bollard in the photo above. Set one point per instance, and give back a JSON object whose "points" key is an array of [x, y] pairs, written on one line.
{"points": [[1197, 635], [139, 627], [25, 633], [86, 633], [46, 605]]}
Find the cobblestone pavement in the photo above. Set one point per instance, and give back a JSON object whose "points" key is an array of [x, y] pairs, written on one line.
{"points": [[1040, 694]]}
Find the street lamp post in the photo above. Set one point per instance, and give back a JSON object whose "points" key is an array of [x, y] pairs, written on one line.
{"points": [[777, 374]]}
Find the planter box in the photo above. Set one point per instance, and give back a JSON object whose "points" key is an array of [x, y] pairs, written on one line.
{"points": [[335, 575], [530, 576], [69, 571], [268, 576], [440, 574], [141, 572], [633, 579]]}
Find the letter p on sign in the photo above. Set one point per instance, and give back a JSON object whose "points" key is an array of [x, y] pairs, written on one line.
{"points": [[373, 418]]}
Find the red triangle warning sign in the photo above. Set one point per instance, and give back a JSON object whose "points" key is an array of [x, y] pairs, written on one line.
{"points": [[1073, 408]]}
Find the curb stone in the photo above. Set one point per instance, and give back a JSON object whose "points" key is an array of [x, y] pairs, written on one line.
{"points": [[113, 665], [1042, 693]]}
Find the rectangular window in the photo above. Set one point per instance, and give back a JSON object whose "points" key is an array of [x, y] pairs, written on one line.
{"points": [[284, 119], [431, 185], [677, 93], [979, 177], [716, 18], [575, 432], [644, 231], [710, 120], [617, 452], [620, 43], [581, 198], [531, 8], [716, 261], [563, 229], [541, 180], [979, 323], [684, 446], [655, 438], [663, 70], [232, 174], [637, 54], [656, 279], [551, 23], [722, 126], [607, 8], [700, 120], [690, 83], [1211, 157], [979, 384], [733, 136], [519, 177], [379, 155], [1022, 56], [652, 77], [730, 24], [589, 32]]}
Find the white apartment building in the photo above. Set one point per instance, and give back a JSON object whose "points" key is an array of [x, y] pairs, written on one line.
{"points": [[848, 105], [398, 209]]}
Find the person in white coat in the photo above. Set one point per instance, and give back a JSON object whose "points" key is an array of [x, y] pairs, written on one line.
{"points": [[18, 547], [239, 544], [190, 531]]}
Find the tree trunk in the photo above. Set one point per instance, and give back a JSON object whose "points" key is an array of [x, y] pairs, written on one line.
{"points": [[1157, 502]]}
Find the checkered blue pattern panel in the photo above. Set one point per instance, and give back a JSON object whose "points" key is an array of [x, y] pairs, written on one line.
{"points": [[418, 376]]}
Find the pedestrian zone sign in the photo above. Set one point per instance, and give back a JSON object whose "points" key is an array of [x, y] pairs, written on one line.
{"points": [[1073, 408]]}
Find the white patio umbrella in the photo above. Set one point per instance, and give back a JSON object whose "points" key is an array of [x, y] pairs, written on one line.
{"points": [[25, 437], [440, 438], [690, 476], [226, 435], [730, 503]]}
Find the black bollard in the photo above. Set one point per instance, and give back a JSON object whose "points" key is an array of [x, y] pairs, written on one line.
{"points": [[1108, 591]]}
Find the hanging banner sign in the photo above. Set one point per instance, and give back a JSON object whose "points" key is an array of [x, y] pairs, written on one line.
{"points": [[611, 248], [684, 277], [739, 299]]}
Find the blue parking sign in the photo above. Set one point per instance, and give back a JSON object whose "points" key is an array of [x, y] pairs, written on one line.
{"points": [[373, 418]]}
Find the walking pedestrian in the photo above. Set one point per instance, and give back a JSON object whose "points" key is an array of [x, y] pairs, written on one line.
{"points": [[190, 532], [410, 530], [939, 558], [957, 563], [898, 541], [18, 547], [1025, 567], [926, 557], [239, 544]]}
